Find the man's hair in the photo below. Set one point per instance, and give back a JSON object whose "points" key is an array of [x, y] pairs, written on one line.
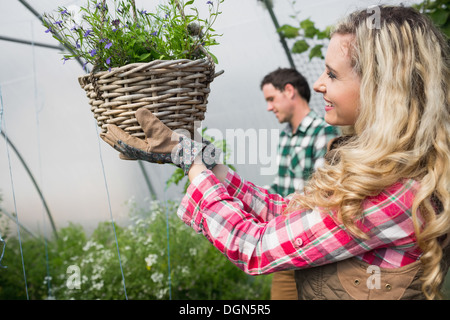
{"points": [[282, 76]]}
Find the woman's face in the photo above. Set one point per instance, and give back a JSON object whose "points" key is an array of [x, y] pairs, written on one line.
{"points": [[339, 84]]}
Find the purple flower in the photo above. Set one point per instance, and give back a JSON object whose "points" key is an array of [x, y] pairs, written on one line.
{"points": [[115, 22], [108, 45], [49, 30], [154, 33], [64, 12], [87, 33], [108, 61], [93, 52], [77, 44], [59, 23], [99, 6], [144, 12], [65, 59], [84, 66], [209, 2]]}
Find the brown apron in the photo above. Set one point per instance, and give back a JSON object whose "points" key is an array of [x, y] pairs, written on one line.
{"points": [[352, 279]]}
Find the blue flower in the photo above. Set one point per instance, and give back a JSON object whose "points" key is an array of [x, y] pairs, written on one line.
{"points": [[93, 52], [108, 61], [49, 30], [65, 59], [108, 45], [64, 12], [154, 33], [87, 33], [209, 2], [59, 23]]}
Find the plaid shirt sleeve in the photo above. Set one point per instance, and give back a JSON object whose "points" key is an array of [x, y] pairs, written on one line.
{"points": [[247, 225]]}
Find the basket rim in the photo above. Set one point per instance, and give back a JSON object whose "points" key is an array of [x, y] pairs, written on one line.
{"points": [[136, 66]]}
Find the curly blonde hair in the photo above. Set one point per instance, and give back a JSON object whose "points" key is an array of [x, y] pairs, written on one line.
{"points": [[402, 130]]}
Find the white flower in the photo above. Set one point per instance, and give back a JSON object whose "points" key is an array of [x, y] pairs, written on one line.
{"points": [[161, 293], [98, 285], [184, 270], [157, 277], [89, 245], [151, 259]]}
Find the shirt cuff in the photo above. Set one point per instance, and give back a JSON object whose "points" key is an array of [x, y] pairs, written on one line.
{"points": [[190, 208]]}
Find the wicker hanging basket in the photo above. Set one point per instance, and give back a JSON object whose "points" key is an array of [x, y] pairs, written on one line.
{"points": [[175, 91]]}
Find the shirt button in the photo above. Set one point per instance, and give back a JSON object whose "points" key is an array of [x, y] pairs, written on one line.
{"points": [[298, 242]]}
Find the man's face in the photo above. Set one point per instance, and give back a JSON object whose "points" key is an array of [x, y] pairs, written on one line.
{"points": [[279, 102]]}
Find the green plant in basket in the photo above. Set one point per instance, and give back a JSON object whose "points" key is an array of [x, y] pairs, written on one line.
{"points": [[112, 35]]}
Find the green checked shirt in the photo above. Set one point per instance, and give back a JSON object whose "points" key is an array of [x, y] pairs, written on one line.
{"points": [[300, 153]]}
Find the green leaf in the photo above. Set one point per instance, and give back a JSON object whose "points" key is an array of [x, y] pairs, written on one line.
{"points": [[213, 57], [324, 34], [145, 56], [316, 51], [288, 31], [439, 16], [307, 23], [310, 32], [176, 177], [446, 29], [300, 46]]}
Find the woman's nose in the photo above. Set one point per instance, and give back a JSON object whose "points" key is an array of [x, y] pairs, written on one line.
{"points": [[319, 85]]}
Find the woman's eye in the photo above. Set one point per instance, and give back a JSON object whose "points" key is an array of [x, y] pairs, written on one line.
{"points": [[331, 75]]}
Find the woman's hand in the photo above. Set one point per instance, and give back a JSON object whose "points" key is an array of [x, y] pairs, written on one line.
{"points": [[161, 144]]}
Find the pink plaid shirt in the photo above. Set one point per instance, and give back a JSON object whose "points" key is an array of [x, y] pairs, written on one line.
{"points": [[247, 225]]}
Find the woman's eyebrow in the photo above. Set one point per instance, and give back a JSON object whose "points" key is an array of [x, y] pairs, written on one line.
{"points": [[331, 69]]}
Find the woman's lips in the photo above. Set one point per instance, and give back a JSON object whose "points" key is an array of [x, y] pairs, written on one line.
{"points": [[328, 105]]}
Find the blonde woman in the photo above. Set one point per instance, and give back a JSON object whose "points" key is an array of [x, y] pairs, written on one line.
{"points": [[373, 223]]}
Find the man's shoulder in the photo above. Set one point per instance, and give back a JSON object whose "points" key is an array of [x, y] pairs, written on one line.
{"points": [[318, 124]]}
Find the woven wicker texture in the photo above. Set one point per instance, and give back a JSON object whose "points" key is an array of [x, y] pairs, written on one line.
{"points": [[175, 91]]}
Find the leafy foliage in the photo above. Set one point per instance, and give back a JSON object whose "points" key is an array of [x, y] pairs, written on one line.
{"points": [[111, 37], [197, 269], [439, 12], [306, 37]]}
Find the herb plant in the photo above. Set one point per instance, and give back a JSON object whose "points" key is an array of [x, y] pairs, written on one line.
{"points": [[112, 36]]}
